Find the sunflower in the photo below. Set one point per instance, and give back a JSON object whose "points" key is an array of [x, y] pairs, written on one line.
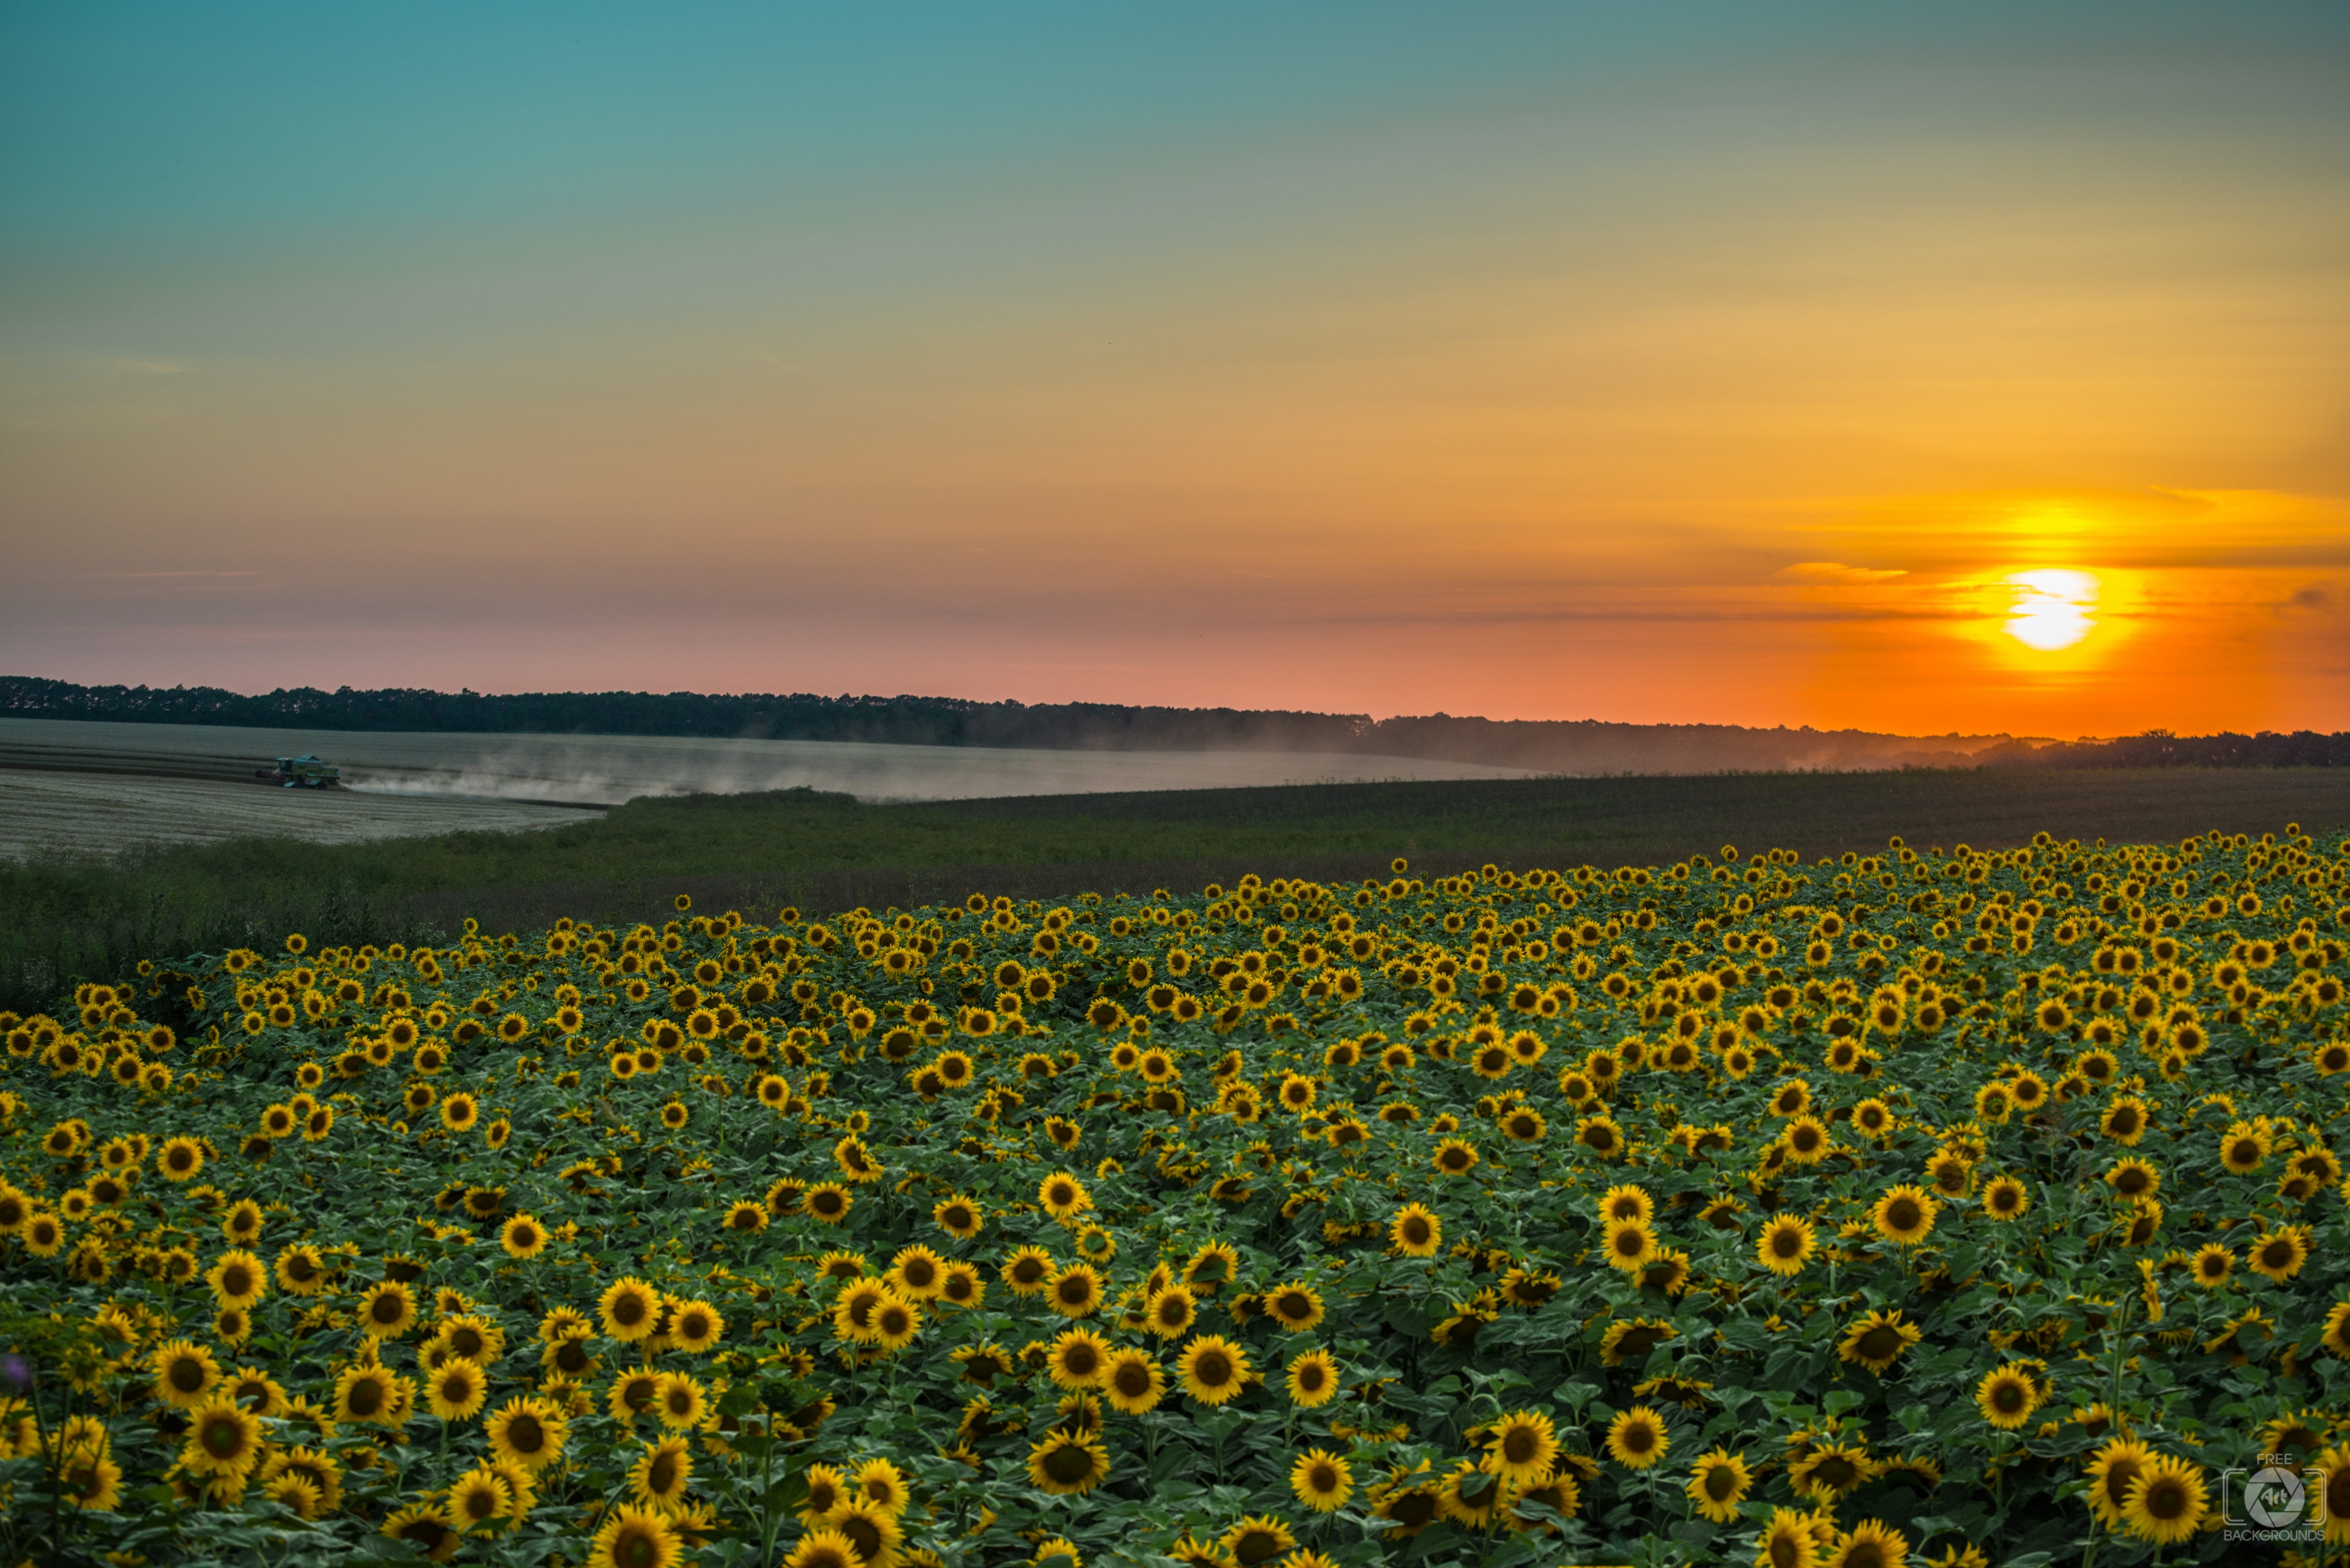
{"points": [[1169, 1313], [959, 1217], [428, 1529], [1066, 1465], [1872, 1544], [696, 1328], [301, 1271], [1636, 1437], [180, 1159], [370, 1394], [2337, 1335], [1831, 1471], [1522, 1448], [1718, 1484], [459, 1112], [915, 1272], [2280, 1254], [1631, 1339], [1601, 1135], [1412, 1509], [636, 1538], [1063, 1196], [92, 1480], [2166, 1501], [1806, 1140], [1629, 1245], [659, 1477], [1214, 1369], [1313, 1378], [1322, 1480], [630, 1309], [2005, 1199], [1415, 1231], [1628, 1202], [1132, 1382], [1075, 1290], [1786, 1245], [2007, 1396], [960, 1286], [2244, 1147], [2334, 1465], [1078, 1359], [524, 1237], [528, 1432], [237, 1279], [456, 1389], [2212, 1265], [1472, 1498], [184, 1372], [680, 1401], [829, 1201], [1454, 1157], [1787, 1542], [1028, 1270], [828, 1491], [1904, 1214], [223, 1440], [1559, 1492], [1256, 1539], [1295, 1307], [479, 1498], [1878, 1340], [2133, 1178], [824, 1549], [856, 1161], [2125, 1121]]}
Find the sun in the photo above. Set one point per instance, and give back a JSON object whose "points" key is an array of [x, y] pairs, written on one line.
{"points": [[2051, 607]]}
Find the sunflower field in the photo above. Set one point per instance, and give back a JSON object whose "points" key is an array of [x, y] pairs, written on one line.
{"points": [[1932, 1206]]}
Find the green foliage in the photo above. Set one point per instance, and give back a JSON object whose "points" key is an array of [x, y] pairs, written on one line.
{"points": [[680, 1105]]}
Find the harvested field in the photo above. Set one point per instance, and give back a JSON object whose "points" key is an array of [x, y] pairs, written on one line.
{"points": [[46, 812], [605, 770]]}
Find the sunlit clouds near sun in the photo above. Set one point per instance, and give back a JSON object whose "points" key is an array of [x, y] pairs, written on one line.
{"points": [[2052, 608]]}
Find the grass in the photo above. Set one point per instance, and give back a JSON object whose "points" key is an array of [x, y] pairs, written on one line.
{"points": [[69, 918]]}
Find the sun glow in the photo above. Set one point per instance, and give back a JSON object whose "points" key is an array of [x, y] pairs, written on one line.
{"points": [[2051, 607]]}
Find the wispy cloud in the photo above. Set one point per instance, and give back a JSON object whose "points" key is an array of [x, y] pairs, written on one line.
{"points": [[1837, 575]]}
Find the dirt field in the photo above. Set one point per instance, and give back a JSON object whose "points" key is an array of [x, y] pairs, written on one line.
{"points": [[47, 811], [605, 770]]}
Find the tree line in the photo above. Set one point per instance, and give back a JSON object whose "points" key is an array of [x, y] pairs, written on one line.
{"points": [[1575, 746]]}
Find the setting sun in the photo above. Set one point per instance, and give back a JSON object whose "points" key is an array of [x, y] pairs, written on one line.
{"points": [[2051, 608]]}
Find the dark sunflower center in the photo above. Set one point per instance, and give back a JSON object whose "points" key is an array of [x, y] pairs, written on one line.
{"points": [[1069, 1464]]}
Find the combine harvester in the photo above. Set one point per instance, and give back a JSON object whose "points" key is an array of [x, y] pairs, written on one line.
{"points": [[300, 772]]}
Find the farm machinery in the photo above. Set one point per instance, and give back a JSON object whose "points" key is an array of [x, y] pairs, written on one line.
{"points": [[300, 772]]}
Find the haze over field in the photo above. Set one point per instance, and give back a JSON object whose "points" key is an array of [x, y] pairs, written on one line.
{"points": [[1913, 369], [605, 770]]}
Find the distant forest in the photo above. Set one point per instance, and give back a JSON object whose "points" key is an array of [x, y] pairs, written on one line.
{"points": [[1567, 746]]}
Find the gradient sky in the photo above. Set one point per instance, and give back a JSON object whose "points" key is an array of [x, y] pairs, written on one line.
{"points": [[1730, 363]]}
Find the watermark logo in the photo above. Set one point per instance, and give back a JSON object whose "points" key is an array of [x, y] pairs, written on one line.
{"points": [[2274, 1501]]}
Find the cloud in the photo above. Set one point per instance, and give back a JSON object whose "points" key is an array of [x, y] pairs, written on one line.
{"points": [[1836, 575], [2312, 599]]}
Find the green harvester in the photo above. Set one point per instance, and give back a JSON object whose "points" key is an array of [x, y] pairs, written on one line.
{"points": [[300, 772]]}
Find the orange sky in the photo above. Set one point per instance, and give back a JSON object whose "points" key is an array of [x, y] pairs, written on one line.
{"points": [[1567, 373]]}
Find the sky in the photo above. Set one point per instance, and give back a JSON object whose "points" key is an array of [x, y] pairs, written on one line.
{"points": [[1920, 369]]}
